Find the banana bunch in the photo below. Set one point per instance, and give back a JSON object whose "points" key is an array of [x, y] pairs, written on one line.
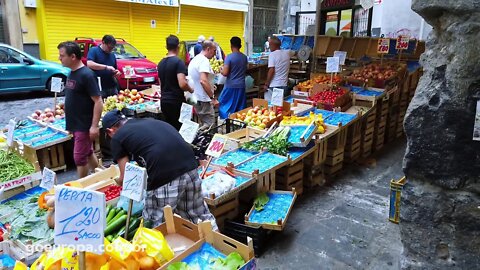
{"points": [[216, 65], [305, 120]]}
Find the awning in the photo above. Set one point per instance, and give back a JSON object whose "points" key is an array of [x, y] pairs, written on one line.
{"points": [[170, 3], [235, 5]]}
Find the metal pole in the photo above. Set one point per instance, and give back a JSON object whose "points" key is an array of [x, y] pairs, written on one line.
{"points": [[315, 37]]}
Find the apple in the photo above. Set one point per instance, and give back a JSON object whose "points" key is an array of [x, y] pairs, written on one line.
{"points": [[141, 100], [38, 112], [48, 114], [47, 110], [134, 91], [58, 116]]}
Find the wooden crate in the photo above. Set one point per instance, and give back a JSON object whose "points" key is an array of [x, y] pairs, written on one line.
{"points": [[52, 157], [313, 176], [334, 44], [238, 137], [391, 126], [368, 128], [347, 46], [290, 177], [319, 155], [226, 210], [352, 145], [380, 124], [360, 48], [338, 140]]}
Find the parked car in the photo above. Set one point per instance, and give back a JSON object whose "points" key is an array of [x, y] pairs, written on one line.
{"points": [[21, 72], [127, 55]]}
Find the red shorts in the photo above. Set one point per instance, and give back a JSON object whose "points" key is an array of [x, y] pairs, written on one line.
{"points": [[82, 147]]}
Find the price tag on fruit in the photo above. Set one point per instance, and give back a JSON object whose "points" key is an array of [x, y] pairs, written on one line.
{"points": [[188, 131], [333, 64], [10, 130], [134, 182], [128, 72], [402, 42], [342, 55], [216, 146], [277, 97], [56, 85], [48, 179], [79, 218], [383, 45], [186, 113]]}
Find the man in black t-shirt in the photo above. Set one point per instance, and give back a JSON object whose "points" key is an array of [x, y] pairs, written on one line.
{"points": [[83, 106], [170, 162], [171, 72]]}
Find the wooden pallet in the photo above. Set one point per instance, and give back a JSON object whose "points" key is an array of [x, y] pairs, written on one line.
{"points": [[290, 177], [313, 176], [52, 157]]}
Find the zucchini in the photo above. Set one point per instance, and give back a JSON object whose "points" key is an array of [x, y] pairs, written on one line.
{"points": [[121, 232], [116, 225], [131, 234], [134, 223], [118, 215], [110, 215], [107, 210], [109, 238]]}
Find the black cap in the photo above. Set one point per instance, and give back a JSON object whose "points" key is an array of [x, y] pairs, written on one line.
{"points": [[111, 118]]}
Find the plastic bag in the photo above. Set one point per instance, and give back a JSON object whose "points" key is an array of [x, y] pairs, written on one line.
{"points": [[249, 81], [218, 184], [137, 206], [220, 79], [154, 244]]}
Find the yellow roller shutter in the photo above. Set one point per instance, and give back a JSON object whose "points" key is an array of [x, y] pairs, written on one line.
{"points": [[222, 24], [65, 20]]}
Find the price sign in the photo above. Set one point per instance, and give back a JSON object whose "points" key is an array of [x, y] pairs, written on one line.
{"points": [[333, 64], [79, 218], [188, 131], [129, 72], [186, 113], [402, 42], [56, 85], [383, 45], [216, 146], [134, 182], [342, 55], [48, 178], [11, 129], [277, 97]]}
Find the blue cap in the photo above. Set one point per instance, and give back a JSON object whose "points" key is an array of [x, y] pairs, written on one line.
{"points": [[111, 118]]}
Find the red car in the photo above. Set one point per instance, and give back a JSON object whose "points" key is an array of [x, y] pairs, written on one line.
{"points": [[127, 55]]}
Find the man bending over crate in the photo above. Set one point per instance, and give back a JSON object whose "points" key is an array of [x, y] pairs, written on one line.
{"points": [[170, 162], [83, 107]]}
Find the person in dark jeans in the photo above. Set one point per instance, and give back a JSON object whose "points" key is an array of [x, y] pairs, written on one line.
{"points": [[171, 73], [83, 107], [170, 163], [101, 59]]}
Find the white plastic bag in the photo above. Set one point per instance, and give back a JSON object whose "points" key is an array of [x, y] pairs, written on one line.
{"points": [[218, 184]]}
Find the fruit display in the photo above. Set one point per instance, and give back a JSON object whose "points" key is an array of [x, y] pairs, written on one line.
{"points": [[319, 79], [258, 116], [124, 98], [374, 72], [216, 65], [276, 143], [328, 97], [48, 115], [305, 120], [111, 192]]}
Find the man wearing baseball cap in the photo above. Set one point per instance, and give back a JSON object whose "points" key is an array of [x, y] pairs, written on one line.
{"points": [[170, 162]]}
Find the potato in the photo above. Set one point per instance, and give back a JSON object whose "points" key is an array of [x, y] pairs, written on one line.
{"points": [[147, 263]]}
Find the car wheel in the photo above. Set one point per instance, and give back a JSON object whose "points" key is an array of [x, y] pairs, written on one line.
{"points": [[49, 83]]}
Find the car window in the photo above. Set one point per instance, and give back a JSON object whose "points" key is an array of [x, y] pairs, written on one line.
{"points": [[126, 51], [9, 56]]}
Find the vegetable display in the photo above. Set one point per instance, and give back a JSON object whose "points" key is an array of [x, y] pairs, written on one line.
{"points": [[111, 192], [116, 219], [276, 143], [13, 166], [124, 98]]}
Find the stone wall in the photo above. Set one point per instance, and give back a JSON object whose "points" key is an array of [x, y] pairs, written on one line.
{"points": [[440, 216]]}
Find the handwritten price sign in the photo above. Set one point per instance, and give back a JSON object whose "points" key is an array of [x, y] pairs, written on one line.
{"points": [[134, 182], [48, 179], [129, 72], [79, 218], [277, 97], [186, 113], [383, 45], [402, 42], [216, 146], [333, 64]]}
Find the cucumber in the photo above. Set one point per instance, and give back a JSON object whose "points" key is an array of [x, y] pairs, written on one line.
{"points": [[107, 210], [131, 234], [116, 225], [148, 224], [121, 232], [110, 215]]}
